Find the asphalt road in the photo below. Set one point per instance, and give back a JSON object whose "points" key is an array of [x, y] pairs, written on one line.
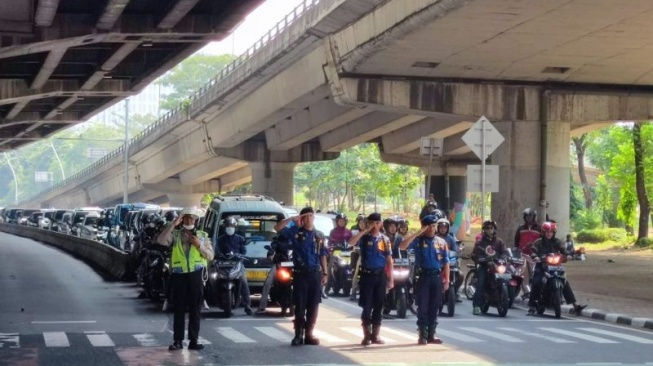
{"points": [[55, 310]]}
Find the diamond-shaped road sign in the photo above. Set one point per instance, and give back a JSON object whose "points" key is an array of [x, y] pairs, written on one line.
{"points": [[431, 146], [474, 136]]}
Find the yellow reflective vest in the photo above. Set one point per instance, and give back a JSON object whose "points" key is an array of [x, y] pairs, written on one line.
{"points": [[191, 263]]}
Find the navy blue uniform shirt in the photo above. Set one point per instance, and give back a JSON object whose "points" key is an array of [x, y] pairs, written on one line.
{"points": [[307, 245], [231, 243], [374, 250], [430, 253]]}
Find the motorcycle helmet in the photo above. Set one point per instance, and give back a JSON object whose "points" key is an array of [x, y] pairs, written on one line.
{"points": [[171, 216], [438, 214], [389, 221], [192, 211], [549, 226], [402, 226], [442, 222], [230, 221], [341, 216], [529, 212]]}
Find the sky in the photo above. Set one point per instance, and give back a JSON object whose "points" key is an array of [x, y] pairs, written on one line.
{"points": [[256, 24]]}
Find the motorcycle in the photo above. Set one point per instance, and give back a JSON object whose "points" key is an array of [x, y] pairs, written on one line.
{"points": [[340, 273], [397, 298], [449, 296], [281, 290], [554, 281], [516, 270], [495, 292], [154, 273], [223, 285]]}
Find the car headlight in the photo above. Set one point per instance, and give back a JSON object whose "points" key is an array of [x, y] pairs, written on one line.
{"points": [[400, 273]]}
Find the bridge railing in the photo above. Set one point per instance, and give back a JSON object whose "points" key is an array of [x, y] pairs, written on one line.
{"points": [[180, 112]]}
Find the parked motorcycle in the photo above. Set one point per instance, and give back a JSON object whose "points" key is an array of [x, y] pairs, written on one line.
{"points": [[154, 272], [554, 281], [281, 291], [223, 285], [495, 293], [340, 273], [397, 298]]}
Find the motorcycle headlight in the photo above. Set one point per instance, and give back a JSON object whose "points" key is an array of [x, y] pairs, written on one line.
{"points": [[501, 269], [343, 262], [400, 273], [214, 275]]}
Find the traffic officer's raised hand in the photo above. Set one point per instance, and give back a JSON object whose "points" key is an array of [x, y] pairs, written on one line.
{"points": [[299, 220]]}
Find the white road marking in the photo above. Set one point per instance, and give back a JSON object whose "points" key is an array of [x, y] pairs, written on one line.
{"points": [[579, 335], [12, 339], [328, 337], [234, 335], [536, 335], [65, 322], [56, 339], [146, 340], [359, 332], [412, 337], [457, 336], [275, 333], [493, 334], [99, 339], [618, 335]]}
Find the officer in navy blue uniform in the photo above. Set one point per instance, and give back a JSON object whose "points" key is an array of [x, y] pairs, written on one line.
{"points": [[230, 242], [376, 263], [309, 272], [432, 267]]}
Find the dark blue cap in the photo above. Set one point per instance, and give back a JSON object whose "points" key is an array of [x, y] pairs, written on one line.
{"points": [[428, 220]]}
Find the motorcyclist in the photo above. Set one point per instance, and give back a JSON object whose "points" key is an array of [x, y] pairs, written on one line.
{"points": [[361, 225], [229, 243], [545, 245], [338, 235], [390, 230], [402, 226], [526, 234], [442, 226], [278, 244], [489, 245], [428, 208]]}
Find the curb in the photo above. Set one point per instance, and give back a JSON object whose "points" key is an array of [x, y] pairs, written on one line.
{"points": [[616, 318]]}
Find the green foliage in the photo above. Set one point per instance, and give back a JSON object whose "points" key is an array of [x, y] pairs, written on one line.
{"points": [[586, 220], [189, 76], [602, 235], [644, 243]]}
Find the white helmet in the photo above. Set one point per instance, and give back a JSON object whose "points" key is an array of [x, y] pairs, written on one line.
{"points": [[442, 222], [192, 211]]}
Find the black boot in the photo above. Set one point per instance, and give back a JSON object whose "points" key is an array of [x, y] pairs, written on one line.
{"points": [[431, 338], [299, 336], [423, 336], [367, 335], [375, 334], [309, 338]]}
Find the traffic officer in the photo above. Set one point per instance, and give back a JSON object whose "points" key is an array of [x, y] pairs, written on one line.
{"points": [[191, 249], [309, 272], [376, 276], [229, 243], [432, 269]]}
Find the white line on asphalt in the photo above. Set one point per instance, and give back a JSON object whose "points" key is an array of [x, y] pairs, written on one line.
{"points": [[234, 335], [146, 340], [65, 322], [412, 337], [536, 335], [359, 332], [457, 336], [493, 334], [579, 335], [328, 337], [618, 335], [99, 339], [56, 339], [199, 338], [11, 338], [275, 333], [598, 363]]}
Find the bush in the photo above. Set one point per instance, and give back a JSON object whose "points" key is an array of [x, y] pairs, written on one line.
{"points": [[644, 243], [602, 235], [586, 220]]}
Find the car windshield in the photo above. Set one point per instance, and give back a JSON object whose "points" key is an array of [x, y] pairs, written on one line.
{"points": [[91, 220], [256, 249], [79, 217], [324, 224]]}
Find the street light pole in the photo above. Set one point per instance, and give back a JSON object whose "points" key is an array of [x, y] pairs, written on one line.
{"points": [[126, 151], [15, 179], [63, 175]]}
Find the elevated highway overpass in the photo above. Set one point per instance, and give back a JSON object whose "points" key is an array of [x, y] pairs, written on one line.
{"points": [[62, 61], [351, 71]]}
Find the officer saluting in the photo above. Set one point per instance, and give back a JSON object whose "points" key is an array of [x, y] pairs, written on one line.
{"points": [[431, 265], [309, 272], [376, 259]]}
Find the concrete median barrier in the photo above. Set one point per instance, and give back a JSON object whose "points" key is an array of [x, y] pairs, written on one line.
{"points": [[106, 258]]}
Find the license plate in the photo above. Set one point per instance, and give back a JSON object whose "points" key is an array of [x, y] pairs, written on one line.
{"points": [[556, 268], [286, 264], [256, 275], [401, 261], [505, 276]]}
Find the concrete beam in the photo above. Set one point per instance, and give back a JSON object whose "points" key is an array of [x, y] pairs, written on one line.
{"points": [[178, 11], [577, 130], [310, 123], [212, 168], [439, 166], [257, 151], [110, 64], [45, 12], [454, 145], [273, 180], [409, 138], [364, 129], [174, 185], [17, 108], [51, 63], [111, 13], [236, 178]]}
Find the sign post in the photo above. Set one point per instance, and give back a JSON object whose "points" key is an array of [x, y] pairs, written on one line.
{"points": [[483, 139], [430, 146]]}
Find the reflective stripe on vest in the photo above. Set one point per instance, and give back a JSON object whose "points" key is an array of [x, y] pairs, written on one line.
{"points": [[194, 261]]}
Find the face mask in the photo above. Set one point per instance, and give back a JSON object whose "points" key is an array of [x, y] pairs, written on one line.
{"points": [[230, 231], [189, 227]]}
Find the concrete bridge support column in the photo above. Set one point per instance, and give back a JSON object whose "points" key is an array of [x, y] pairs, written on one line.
{"points": [[274, 180], [185, 199], [519, 175]]}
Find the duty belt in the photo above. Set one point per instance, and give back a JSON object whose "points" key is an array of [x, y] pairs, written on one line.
{"points": [[427, 271], [372, 271], [307, 269]]}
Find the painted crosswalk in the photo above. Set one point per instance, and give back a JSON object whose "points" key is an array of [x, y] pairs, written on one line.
{"points": [[282, 333]]}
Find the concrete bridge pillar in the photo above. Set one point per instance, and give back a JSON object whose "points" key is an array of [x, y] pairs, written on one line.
{"points": [[274, 180], [185, 199], [519, 175]]}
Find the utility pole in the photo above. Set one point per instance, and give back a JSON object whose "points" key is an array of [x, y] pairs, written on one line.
{"points": [[15, 179], [63, 175], [125, 148]]}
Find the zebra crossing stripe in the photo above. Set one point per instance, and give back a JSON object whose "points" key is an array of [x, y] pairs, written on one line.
{"points": [[275, 333], [146, 340], [328, 337], [618, 335], [11, 339], [412, 337], [493, 334], [359, 332], [99, 339], [234, 335], [536, 335], [56, 339], [457, 336], [586, 337]]}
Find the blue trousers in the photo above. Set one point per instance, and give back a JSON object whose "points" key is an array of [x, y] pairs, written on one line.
{"points": [[428, 297]]}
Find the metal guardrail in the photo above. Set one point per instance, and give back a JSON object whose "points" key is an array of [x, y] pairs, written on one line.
{"points": [[292, 17]]}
